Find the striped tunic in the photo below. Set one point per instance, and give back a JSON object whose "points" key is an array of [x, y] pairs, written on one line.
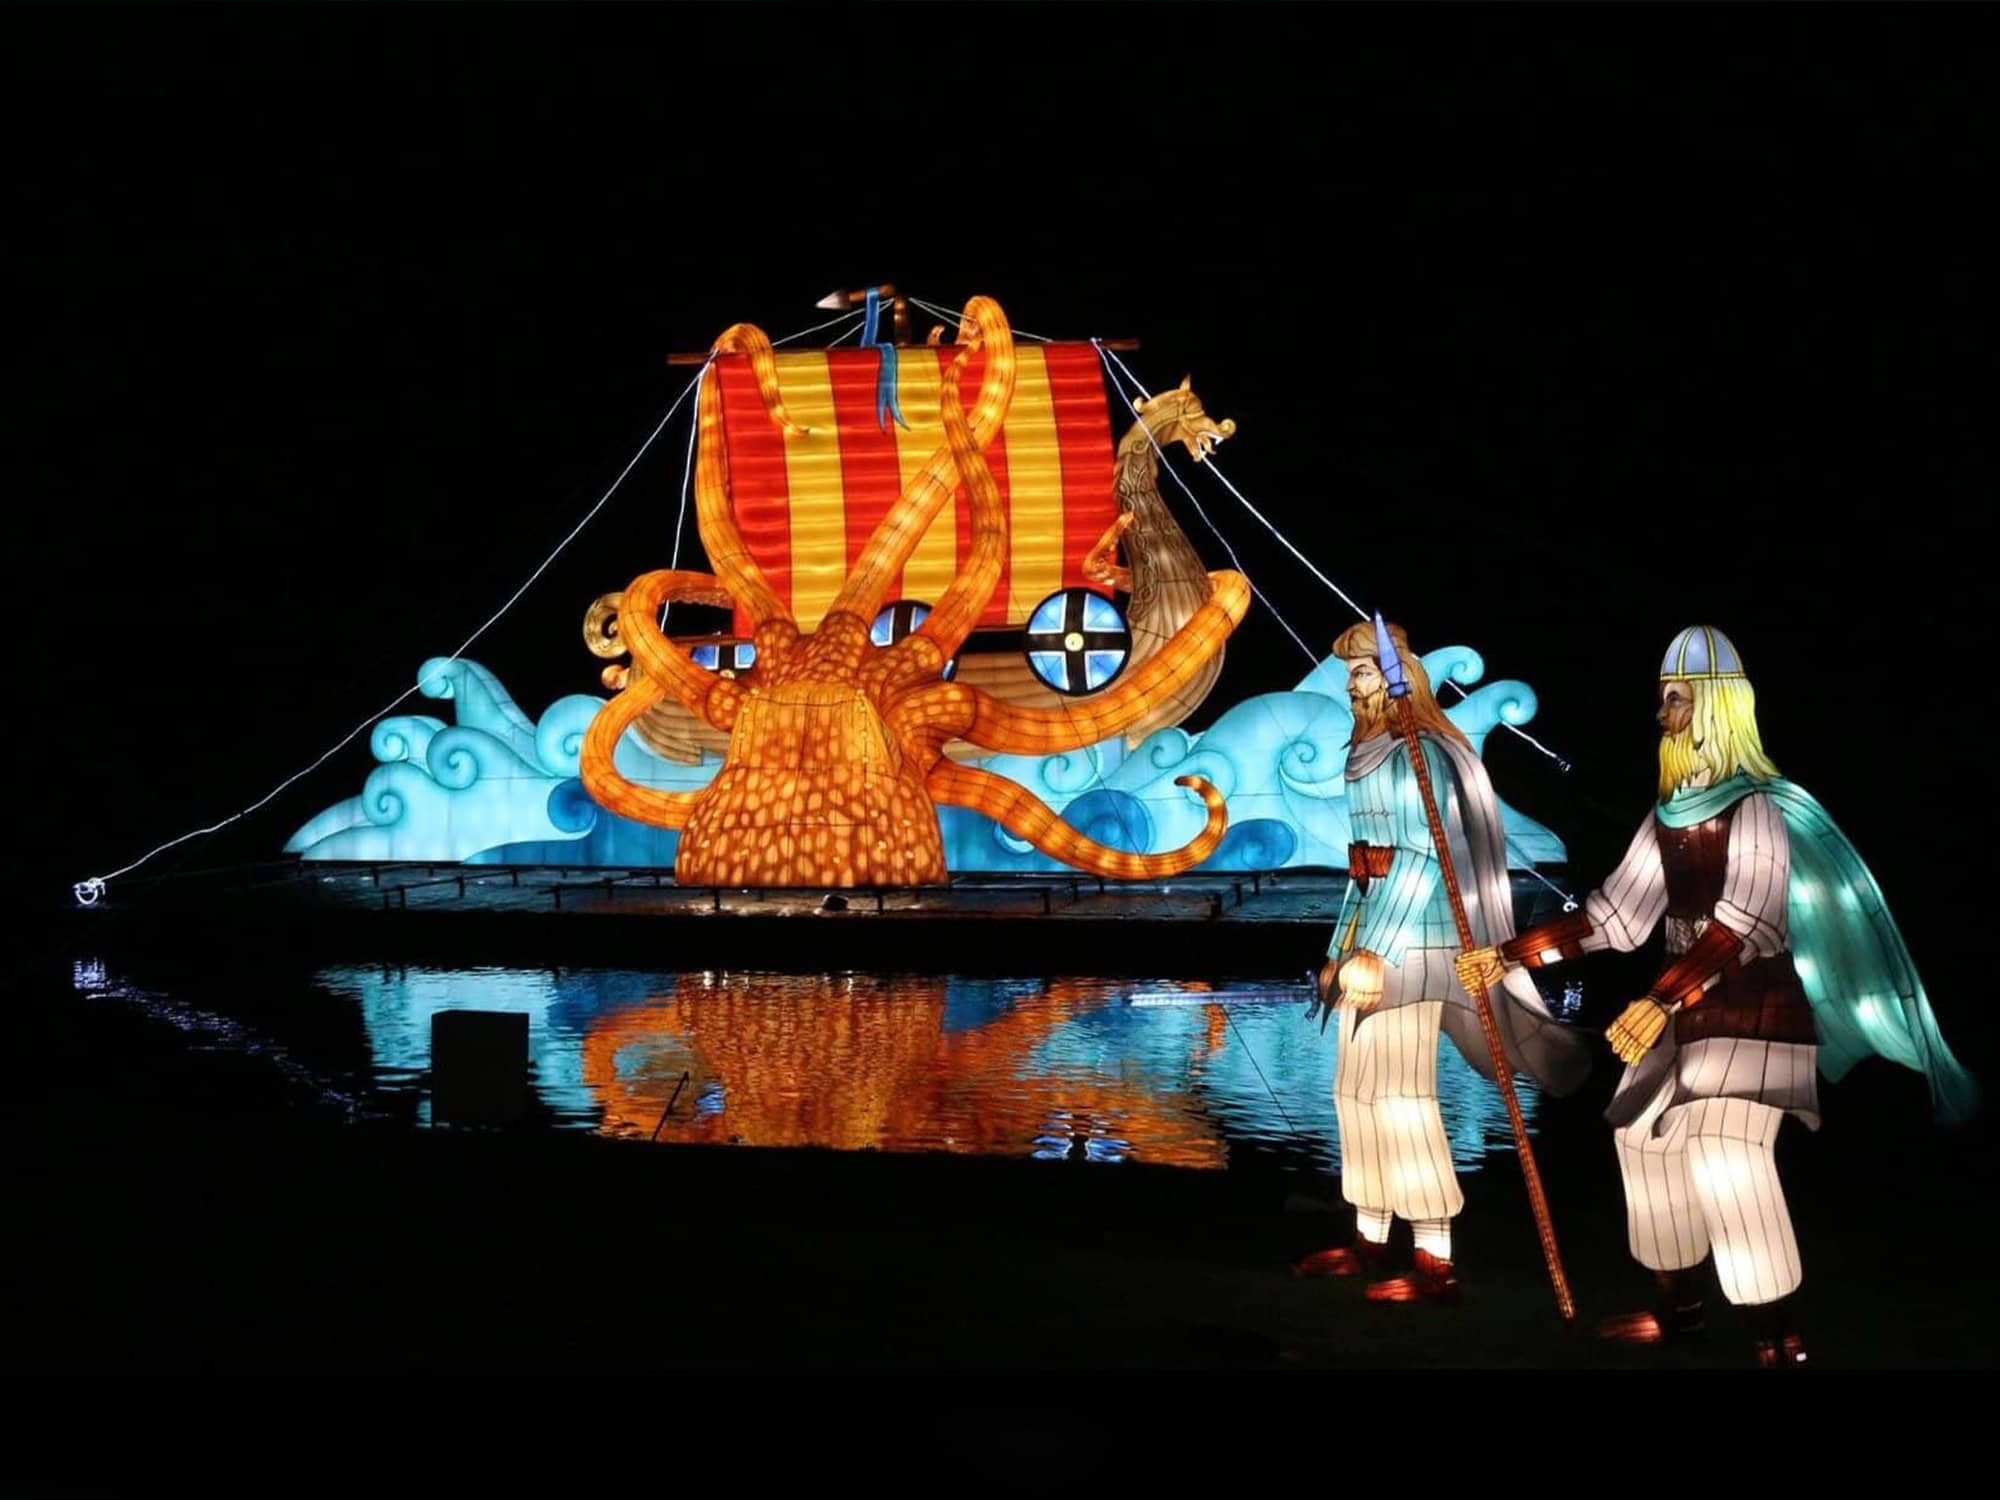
{"points": [[1410, 908], [1754, 902]]}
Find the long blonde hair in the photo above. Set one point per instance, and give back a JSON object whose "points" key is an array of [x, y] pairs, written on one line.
{"points": [[1722, 736], [1359, 640]]}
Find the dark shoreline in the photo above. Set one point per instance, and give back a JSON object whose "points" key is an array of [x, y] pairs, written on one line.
{"points": [[1263, 925]]}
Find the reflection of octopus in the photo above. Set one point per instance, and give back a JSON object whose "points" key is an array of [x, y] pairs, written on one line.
{"points": [[870, 1063], [835, 761]]}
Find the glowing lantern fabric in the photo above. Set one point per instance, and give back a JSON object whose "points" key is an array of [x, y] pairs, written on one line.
{"points": [[1280, 756], [807, 503], [1848, 951], [1077, 641]]}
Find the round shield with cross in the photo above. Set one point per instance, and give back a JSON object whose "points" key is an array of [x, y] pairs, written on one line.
{"points": [[898, 620], [1077, 641]]}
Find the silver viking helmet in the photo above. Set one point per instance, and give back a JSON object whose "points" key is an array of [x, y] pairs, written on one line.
{"points": [[1701, 653]]}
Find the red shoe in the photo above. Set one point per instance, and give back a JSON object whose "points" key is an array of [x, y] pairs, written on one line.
{"points": [[1779, 1346], [1430, 1280], [1787, 1353], [1363, 1258]]}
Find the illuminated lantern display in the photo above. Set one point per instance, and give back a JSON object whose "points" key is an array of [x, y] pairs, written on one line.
{"points": [[1077, 642], [835, 758], [898, 620], [1389, 972], [1164, 575], [829, 475], [1783, 962], [501, 788]]}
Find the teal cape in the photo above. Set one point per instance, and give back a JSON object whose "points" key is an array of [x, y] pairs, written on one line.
{"points": [[1850, 955]]}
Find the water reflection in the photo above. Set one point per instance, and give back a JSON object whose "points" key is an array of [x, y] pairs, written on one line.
{"points": [[1173, 1072]]}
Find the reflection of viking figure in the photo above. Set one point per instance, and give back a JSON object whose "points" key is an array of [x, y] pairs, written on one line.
{"points": [[1165, 575], [1782, 962], [1390, 973]]}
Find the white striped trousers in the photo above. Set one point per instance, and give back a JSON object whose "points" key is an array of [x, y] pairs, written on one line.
{"points": [[1708, 1181], [1394, 1155]]}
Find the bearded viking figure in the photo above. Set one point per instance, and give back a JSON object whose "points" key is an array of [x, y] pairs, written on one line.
{"points": [[1783, 963], [1390, 975]]}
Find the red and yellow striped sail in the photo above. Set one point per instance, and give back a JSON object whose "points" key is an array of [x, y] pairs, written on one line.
{"points": [[807, 505]]}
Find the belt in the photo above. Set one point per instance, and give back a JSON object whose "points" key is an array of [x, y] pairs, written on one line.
{"points": [[1366, 862]]}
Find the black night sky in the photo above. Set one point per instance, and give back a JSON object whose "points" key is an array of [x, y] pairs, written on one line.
{"points": [[1547, 330]]}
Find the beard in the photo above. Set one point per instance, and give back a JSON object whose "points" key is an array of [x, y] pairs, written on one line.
{"points": [[1681, 757], [1371, 715]]}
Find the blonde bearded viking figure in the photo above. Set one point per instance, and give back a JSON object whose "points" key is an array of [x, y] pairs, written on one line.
{"points": [[1390, 974], [1783, 962]]}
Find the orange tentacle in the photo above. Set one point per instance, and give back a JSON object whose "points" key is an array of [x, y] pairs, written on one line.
{"points": [[601, 777], [715, 516], [898, 533], [661, 659], [953, 617], [1026, 816], [748, 338], [1086, 721], [926, 720]]}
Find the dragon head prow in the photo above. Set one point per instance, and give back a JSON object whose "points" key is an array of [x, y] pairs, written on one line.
{"points": [[1178, 414]]}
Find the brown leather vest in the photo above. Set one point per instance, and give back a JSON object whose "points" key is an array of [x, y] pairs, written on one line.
{"points": [[1762, 999]]}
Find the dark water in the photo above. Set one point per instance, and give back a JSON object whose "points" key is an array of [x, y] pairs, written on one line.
{"points": [[1172, 1072]]}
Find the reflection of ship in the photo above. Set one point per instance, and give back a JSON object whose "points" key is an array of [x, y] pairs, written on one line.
{"points": [[881, 1063], [807, 503], [1058, 1068]]}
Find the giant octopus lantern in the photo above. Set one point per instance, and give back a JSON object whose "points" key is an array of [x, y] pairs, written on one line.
{"points": [[835, 763]]}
